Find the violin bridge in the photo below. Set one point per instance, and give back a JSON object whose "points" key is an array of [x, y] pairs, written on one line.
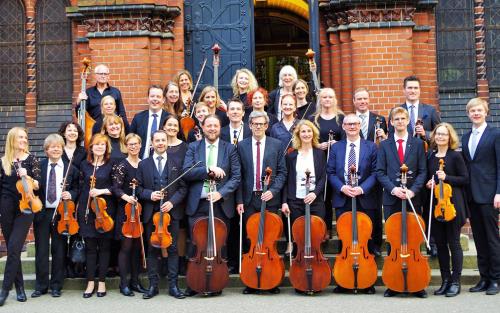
{"points": [[355, 253]]}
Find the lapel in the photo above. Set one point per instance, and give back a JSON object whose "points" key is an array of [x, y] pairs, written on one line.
{"points": [[201, 152], [371, 127], [465, 145], [410, 145], [341, 158], [44, 165], [247, 156], [393, 147], [362, 153], [480, 144], [265, 160], [152, 165]]}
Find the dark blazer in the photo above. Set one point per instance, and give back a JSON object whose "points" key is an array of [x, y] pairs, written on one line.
{"points": [[388, 168], [484, 169], [290, 189], [227, 159], [139, 126], [372, 117], [427, 113], [150, 180], [366, 173], [72, 181], [274, 158], [226, 136]]}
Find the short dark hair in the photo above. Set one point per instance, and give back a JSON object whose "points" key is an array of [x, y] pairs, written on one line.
{"points": [[155, 87], [211, 116], [62, 130], [235, 100], [411, 78], [159, 131]]}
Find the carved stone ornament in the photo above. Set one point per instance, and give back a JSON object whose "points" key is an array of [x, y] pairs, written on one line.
{"points": [[130, 24], [335, 19]]}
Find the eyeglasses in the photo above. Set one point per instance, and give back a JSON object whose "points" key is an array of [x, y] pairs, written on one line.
{"points": [[442, 134], [102, 74], [133, 144], [259, 124]]}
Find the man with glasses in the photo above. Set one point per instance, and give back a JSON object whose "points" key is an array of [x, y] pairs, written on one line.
{"points": [[353, 150], [256, 154], [102, 88]]}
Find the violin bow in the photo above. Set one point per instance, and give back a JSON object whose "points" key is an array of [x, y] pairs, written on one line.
{"points": [[430, 208], [179, 177], [241, 240], [196, 86], [88, 199], [418, 221]]}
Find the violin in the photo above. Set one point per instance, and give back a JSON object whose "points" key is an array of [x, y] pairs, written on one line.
{"points": [[187, 122], [421, 123], [444, 211], [378, 122], [207, 271], [262, 267], [310, 271], [405, 269], [67, 224], [103, 222], [29, 202], [355, 267], [84, 118], [197, 133], [161, 237], [132, 227]]}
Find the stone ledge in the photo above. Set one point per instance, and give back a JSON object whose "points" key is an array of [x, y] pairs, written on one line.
{"points": [[370, 25]]}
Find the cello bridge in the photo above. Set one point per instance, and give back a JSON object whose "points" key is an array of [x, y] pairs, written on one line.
{"points": [[355, 253], [209, 258], [308, 256], [261, 253], [404, 256]]}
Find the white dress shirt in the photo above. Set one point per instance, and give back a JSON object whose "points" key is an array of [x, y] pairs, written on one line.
{"points": [[254, 158], [304, 162], [163, 161], [415, 110], [357, 144], [405, 140], [239, 132], [59, 168], [148, 134], [480, 131]]}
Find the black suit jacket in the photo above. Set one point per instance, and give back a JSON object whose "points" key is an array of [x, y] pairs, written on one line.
{"points": [[72, 182], [150, 180], [139, 126], [372, 118], [388, 168], [227, 159], [427, 113], [290, 189], [484, 169], [226, 136], [273, 158]]}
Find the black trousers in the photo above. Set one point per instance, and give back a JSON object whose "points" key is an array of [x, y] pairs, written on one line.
{"points": [[377, 217], [154, 255], [447, 238], [15, 227], [297, 209], [46, 236], [484, 223], [129, 260], [97, 247]]}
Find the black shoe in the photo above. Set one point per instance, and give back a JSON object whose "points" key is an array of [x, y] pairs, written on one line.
{"points": [[176, 293], [445, 285], [274, 291], [38, 293], [137, 287], [21, 295], [453, 290], [369, 291], [101, 294], [420, 294], [126, 291], [4, 294], [233, 270], [390, 293], [153, 291], [88, 295], [493, 288], [190, 292], [249, 291], [340, 289], [55, 293], [481, 286]]}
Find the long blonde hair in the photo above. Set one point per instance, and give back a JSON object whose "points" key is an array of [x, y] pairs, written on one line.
{"points": [[252, 81], [297, 142], [319, 109], [10, 149], [115, 119]]}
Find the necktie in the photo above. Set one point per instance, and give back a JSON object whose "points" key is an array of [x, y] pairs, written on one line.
{"points": [[51, 191], [412, 119], [160, 167], [364, 125], [210, 162], [401, 153], [351, 160], [154, 125], [235, 136], [473, 144], [257, 168]]}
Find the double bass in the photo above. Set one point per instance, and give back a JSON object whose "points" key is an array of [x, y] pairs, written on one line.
{"points": [[207, 271], [355, 267], [444, 211], [67, 224], [262, 267], [29, 202], [84, 118], [405, 269], [310, 271]]}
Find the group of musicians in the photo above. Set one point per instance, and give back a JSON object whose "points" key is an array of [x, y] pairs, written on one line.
{"points": [[235, 143]]}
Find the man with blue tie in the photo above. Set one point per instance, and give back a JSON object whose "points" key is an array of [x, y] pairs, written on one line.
{"points": [[481, 152], [145, 123], [153, 174], [363, 155]]}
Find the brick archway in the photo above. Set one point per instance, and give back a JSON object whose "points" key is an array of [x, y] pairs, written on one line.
{"points": [[299, 7]]}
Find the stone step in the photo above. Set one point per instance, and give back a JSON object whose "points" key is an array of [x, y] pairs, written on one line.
{"points": [[469, 277]]}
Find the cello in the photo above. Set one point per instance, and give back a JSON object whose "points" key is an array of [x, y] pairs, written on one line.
{"points": [[84, 118], [207, 271], [29, 202], [405, 269], [310, 271], [67, 224], [444, 211], [262, 267], [355, 267]]}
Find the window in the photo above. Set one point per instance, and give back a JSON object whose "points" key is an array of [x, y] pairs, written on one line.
{"points": [[492, 21]]}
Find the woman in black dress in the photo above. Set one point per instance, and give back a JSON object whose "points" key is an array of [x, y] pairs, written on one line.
{"points": [[97, 244], [128, 259], [444, 141], [283, 129], [108, 108], [258, 100], [73, 137], [210, 96], [304, 108], [16, 162], [113, 127], [173, 102]]}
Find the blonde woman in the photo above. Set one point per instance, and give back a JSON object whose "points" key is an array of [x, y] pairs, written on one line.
{"points": [[210, 96], [242, 83], [16, 162], [113, 128], [328, 118], [184, 80], [108, 108]]}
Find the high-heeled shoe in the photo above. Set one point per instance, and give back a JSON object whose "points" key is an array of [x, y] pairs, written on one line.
{"points": [[87, 295], [444, 288]]}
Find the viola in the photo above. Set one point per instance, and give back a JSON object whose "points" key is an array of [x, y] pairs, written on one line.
{"points": [[161, 237], [187, 122], [29, 202], [67, 224], [207, 271], [262, 267], [426, 145], [132, 227], [310, 271], [103, 222], [84, 118], [444, 211], [355, 267], [405, 269]]}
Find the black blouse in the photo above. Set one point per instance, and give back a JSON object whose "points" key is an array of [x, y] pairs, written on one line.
{"points": [[123, 174], [326, 125], [8, 182], [79, 156], [116, 154]]}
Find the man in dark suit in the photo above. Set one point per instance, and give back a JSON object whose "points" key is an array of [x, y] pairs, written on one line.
{"points": [[401, 148], [153, 174], [236, 130], [256, 154], [216, 156], [51, 193], [363, 155], [481, 152], [145, 123], [374, 129]]}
